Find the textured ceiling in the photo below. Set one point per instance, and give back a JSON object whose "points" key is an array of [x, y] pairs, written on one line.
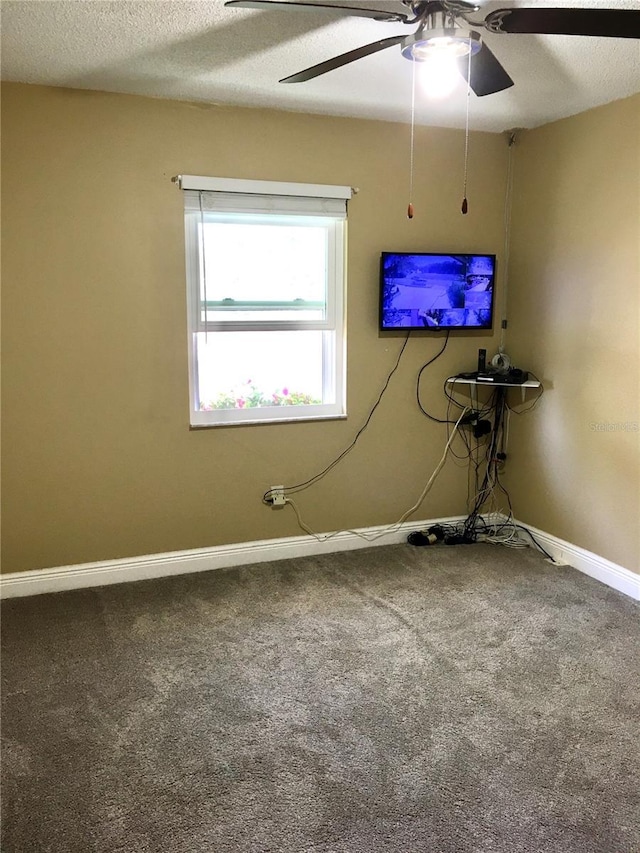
{"points": [[202, 51]]}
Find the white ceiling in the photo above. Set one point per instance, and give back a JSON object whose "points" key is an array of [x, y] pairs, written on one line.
{"points": [[198, 50]]}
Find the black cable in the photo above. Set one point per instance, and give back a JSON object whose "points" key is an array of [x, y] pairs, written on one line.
{"points": [[474, 523], [531, 406], [420, 372], [449, 397], [472, 455], [299, 486], [504, 491], [483, 491], [533, 539], [461, 434], [466, 457], [511, 523]]}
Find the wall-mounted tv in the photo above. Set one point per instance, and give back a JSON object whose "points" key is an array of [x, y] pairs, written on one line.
{"points": [[430, 291]]}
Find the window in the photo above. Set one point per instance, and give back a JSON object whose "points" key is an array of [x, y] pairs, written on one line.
{"points": [[265, 288]]}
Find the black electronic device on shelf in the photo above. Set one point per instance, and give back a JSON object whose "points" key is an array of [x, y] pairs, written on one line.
{"points": [[499, 372], [513, 376]]}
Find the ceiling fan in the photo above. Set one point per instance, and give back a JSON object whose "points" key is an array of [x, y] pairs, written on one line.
{"points": [[438, 33]]}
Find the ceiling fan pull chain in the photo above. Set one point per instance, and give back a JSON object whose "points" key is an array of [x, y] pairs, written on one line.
{"points": [[465, 204], [413, 117]]}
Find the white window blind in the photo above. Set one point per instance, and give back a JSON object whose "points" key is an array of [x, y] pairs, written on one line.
{"points": [[265, 188]]}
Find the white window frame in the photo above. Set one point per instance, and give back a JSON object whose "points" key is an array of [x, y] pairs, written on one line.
{"points": [[316, 204]]}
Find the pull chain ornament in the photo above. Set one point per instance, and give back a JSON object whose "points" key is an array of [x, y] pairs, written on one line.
{"points": [[465, 204], [413, 116]]}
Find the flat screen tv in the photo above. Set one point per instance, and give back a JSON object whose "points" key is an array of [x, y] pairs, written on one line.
{"points": [[430, 291]]}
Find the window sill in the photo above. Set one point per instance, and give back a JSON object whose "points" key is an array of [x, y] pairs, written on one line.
{"points": [[269, 421]]}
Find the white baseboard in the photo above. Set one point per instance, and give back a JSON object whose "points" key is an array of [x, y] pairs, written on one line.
{"points": [[150, 566], [106, 572], [564, 553]]}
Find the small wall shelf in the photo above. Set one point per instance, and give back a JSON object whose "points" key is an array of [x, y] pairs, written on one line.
{"points": [[474, 384]]}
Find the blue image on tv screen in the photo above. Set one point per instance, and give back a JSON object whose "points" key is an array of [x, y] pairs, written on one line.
{"points": [[433, 291]]}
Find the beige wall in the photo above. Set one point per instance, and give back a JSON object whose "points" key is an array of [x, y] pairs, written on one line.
{"points": [[574, 318], [98, 459]]}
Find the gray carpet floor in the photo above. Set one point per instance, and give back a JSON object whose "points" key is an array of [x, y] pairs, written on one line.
{"points": [[445, 699]]}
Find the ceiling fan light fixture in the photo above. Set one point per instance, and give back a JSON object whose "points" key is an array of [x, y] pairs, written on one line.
{"points": [[450, 42], [438, 76]]}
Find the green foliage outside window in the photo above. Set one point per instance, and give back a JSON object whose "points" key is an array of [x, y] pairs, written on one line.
{"points": [[248, 396]]}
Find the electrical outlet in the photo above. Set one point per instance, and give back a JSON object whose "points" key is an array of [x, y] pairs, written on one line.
{"points": [[277, 496]]}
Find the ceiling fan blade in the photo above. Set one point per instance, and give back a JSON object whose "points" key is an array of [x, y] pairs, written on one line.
{"points": [[615, 23], [376, 14], [487, 75], [343, 59]]}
